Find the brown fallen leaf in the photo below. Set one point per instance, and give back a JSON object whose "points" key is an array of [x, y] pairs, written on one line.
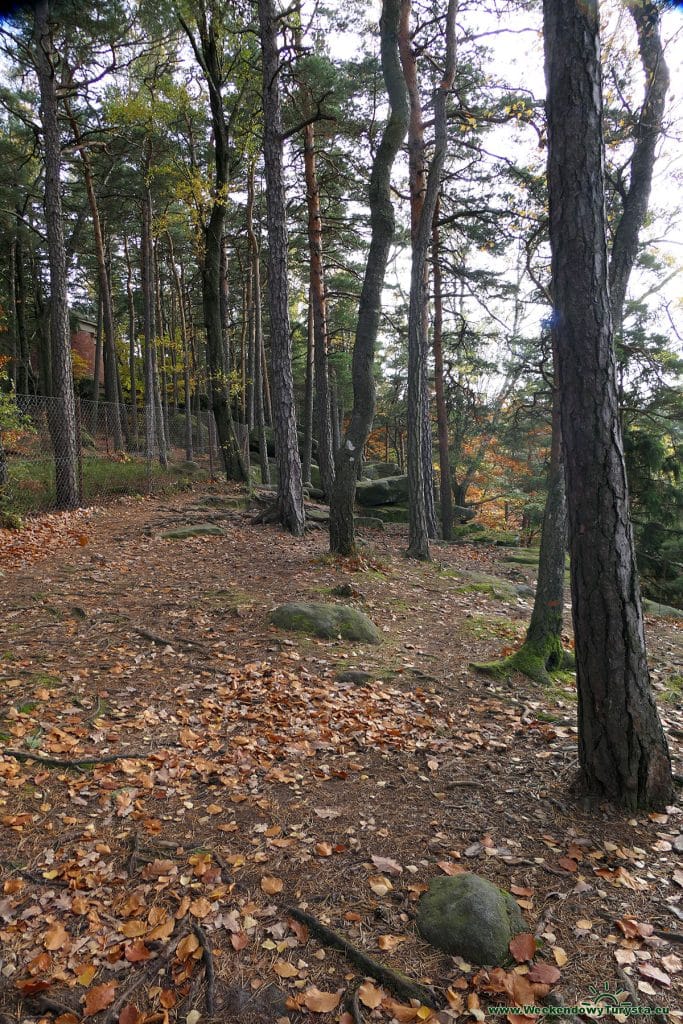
{"points": [[130, 1015], [380, 885], [137, 952], [238, 940], [200, 908], [55, 937], [271, 885], [99, 997], [323, 849], [544, 974], [320, 1002], [284, 969], [523, 947], [390, 942], [386, 864], [655, 974], [370, 995]]}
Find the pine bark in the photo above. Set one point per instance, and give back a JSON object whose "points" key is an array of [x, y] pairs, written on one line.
{"points": [[323, 413], [342, 536], [206, 52], [62, 418], [289, 501], [623, 754], [424, 195], [445, 494]]}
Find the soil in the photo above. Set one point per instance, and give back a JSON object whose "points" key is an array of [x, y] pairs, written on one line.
{"points": [[251, 780]]}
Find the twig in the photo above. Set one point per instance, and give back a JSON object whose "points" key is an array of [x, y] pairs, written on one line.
{"points": [[56, 762], [399, 983], [134, 852], [669, 936], [31, 876], [635, 998], [209, 972], [139, 978], [171, 641]]}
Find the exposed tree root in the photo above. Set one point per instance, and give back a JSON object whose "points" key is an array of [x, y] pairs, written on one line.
{"points": [[400, 984], [209, 972], [142, 975], [352, 1004], [536, 660], [171, 641], [79, 762]]}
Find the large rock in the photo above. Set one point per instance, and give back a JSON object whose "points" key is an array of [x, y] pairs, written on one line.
{"points": [[389, 491], [193, 530], [466, 915], [380, 470], [326, 620]]}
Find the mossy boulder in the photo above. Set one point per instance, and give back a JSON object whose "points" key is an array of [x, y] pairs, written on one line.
{"points": [[389, 491], [468, 916], [380, 470], [665, 611], [326, 620], [187, 466], [368, 522], [194, 530], [391, 513]]}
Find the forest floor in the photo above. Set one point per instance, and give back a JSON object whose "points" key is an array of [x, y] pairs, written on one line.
{"points": [[250, 781]]}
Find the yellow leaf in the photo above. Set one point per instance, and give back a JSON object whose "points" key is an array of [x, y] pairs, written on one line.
{"points": [[560, 956]]}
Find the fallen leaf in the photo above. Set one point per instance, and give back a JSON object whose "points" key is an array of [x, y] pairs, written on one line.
{"points": [[370, 995], [380, 885], [392, 867], [200, 908], [131, 1015], [55, 937], [323, 849], [86, 974], [271, 885], [238, 940], [560, 956], [320, 1002], [654, 973], [284, 969], [390, 942], [99, 997], [523, 947], [137, 952], [544, 974]]}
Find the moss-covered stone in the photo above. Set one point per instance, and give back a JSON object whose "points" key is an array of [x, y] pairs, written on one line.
{"points": [[326, 620], [380, 470], [389, 491], [665, 611], [356, 676], [466, 915], [369, 522], [194, 530], [391, 513]]}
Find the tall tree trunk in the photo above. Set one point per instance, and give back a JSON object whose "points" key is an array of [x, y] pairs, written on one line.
{"points": [[62, 417], [623, 754], [257, 324], [323, 412], [445, 494], [97, 363], [206, 52], [424, 195], [540, 652], [290, 506], [307, 455], [189, 454], [110, 383], [342, 536], [24, 372], [132, 345], [647, 133]]}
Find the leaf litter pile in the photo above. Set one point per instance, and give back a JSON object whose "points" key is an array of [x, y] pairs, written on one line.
{"points": [[204, 818]]}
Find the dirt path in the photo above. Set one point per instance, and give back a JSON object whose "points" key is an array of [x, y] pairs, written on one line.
{"points": [[252, 780]]}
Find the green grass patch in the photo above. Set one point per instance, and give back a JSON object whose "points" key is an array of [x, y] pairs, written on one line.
{"points": [[672, 690], [30, 486]]}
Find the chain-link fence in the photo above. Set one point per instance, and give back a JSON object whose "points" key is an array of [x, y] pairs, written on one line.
{"points": [[119, 449]]}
